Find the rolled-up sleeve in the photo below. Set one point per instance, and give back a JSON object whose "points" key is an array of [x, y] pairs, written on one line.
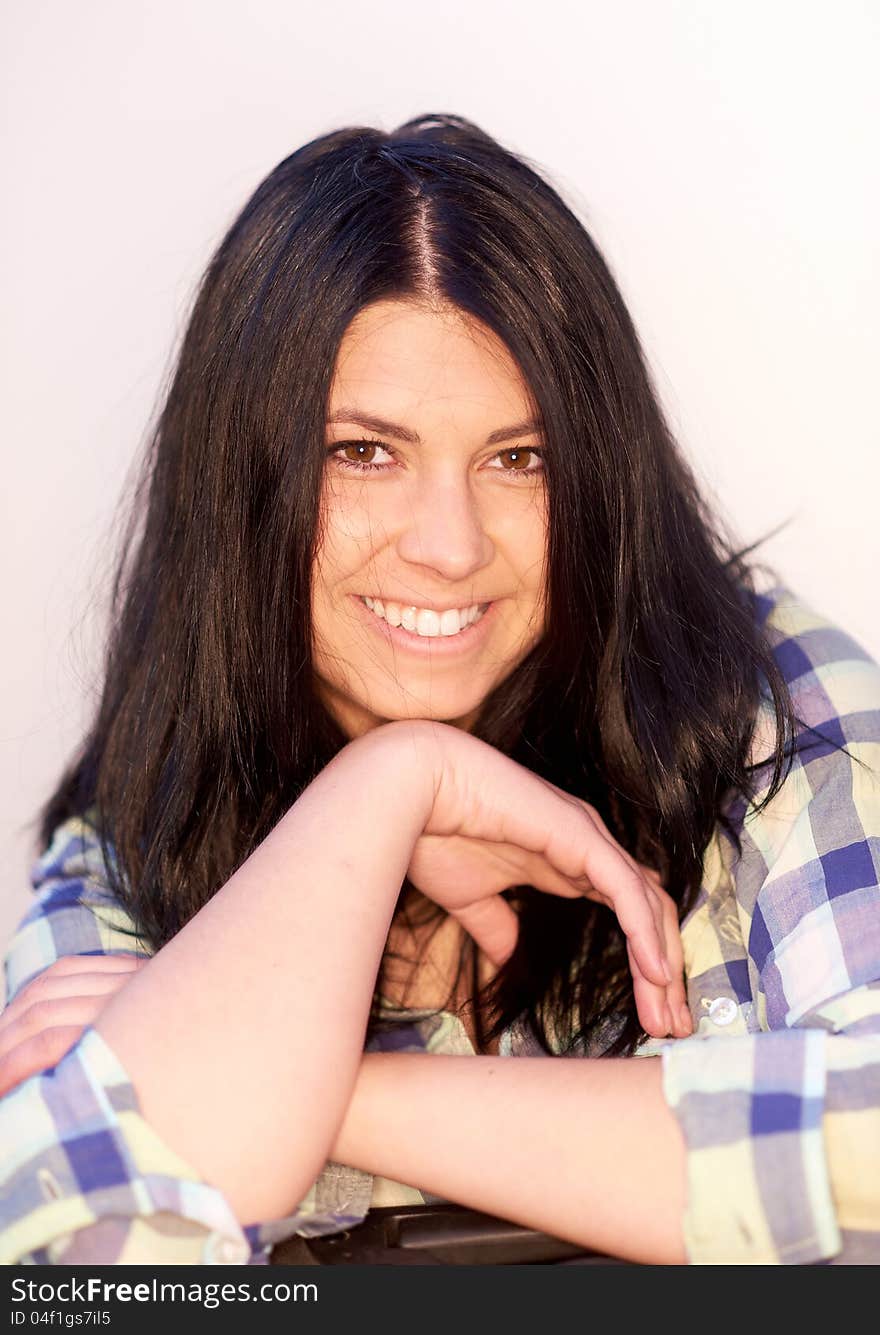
{"points": [[782, 1124], [81, 1157]]}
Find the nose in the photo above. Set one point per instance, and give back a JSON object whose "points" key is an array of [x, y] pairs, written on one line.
{"points": [[445, 532]]}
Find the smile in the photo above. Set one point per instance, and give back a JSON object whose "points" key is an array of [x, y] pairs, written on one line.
{"points": [[424, 621]]}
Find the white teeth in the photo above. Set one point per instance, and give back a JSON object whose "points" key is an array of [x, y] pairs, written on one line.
{"points": [[422, 620], [451, 621], [427, 622]]}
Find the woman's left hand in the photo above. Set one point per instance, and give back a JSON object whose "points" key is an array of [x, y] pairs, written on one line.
{"points": [[661, 1010]]}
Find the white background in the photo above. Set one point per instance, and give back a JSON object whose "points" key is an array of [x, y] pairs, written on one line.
{"points": [[723, 155]]}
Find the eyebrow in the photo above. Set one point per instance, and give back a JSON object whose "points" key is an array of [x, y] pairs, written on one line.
{"points": [[384, 428]]}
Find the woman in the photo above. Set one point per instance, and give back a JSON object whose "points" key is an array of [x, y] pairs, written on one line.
{"points": [[435, 702]]}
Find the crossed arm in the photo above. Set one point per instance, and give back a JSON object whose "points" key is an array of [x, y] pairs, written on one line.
{"points": [[586, 1150], [446, 1121]]}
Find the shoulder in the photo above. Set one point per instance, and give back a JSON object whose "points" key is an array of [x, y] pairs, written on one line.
{"points": [[803, 638], [806, 882], [75, 852], [833, 680], [814, 843]]}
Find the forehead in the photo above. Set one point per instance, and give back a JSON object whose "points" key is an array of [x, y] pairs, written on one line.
{"points": [[404, 357]]}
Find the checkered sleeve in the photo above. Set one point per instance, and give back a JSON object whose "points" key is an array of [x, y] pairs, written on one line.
{"points": [[84, 1179], [782, 1124]]}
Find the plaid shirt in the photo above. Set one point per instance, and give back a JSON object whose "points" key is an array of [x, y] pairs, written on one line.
{"points": [[777, 1093]]}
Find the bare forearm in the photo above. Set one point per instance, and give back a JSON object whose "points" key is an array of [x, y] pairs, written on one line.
{"points": [[585, 1150], [244, 1034]]}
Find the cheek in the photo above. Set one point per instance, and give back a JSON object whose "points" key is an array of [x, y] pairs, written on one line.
{"points": [[523, 532], [343, 547], [352, 528]]}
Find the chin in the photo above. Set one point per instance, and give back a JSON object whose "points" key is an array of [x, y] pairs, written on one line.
{"points": [[448, 710], [456, 715]]}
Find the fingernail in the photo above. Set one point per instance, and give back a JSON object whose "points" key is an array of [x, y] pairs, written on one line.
{"points": [[686, 1021]]}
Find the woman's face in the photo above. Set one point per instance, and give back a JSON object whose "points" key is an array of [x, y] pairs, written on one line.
{"points": [[434, 510]]}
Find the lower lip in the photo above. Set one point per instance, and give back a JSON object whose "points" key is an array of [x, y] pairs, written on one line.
{"points": [[435, 646]]}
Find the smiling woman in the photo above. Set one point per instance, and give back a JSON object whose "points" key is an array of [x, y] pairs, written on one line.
{"points": [[442, 724], [429, 581]]}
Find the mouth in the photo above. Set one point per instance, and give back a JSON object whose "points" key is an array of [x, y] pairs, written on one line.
{"points": [[422, 629], [423, 621]]}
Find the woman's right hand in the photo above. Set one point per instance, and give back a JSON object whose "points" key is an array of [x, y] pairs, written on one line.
{"points": [[44, 1020], [495, 824]]}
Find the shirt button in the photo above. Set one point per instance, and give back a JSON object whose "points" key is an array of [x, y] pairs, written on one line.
{"points": [[49, 1185], [722, 1011], [226, 1251]]}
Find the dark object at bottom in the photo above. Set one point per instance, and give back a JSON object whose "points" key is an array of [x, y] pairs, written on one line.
{"points": [[434, 1235]]}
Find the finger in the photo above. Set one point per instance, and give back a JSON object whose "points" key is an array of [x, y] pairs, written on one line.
{"points": [[551, 822], [539, 871], [665, 1011], [494, 926], [534, 869], [666, 917], [50, 987], [617, 880], [40, 1052], [545, 877], [45, 1015], [676, 993], [56, 982], [67, 964], [660, 1011], [651, 998], [629, 895], [646, 915], [651, 873], [651, 1004]]}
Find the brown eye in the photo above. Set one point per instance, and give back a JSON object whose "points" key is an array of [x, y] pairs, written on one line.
{"points": [[519, 460], [359, 456], [359, 451]]}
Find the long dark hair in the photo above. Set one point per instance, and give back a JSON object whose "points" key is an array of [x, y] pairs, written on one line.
{"points": [[641, 697]]}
